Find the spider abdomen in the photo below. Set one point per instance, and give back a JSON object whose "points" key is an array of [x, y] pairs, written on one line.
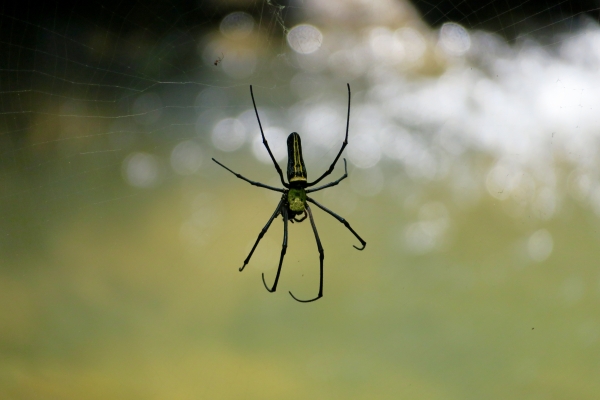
{"points": [[296, 170]]}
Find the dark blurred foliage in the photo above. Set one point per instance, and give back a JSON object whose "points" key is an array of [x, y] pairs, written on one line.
{"points": [[511, 18]]}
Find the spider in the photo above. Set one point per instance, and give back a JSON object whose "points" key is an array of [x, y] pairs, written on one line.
{"points": [[219, 59], [294, 200]]}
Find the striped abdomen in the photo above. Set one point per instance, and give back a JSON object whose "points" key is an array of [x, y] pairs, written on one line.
{"points": [[296, 171]]}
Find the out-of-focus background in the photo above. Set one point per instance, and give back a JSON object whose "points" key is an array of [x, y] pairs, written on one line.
{"points": [[474, 177]]}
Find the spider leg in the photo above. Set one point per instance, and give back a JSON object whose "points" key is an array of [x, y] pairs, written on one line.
{"points": [[342, 220], [262, 233], [321, 257], [262, 185], [266, 143], [332, 166], [283, 249], [330, 184]]}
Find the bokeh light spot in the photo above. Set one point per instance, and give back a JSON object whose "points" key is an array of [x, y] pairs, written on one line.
{"points": [[141, 170], [229, 134], [186, 158], [197, 230], [211, 98], [304, 39], [428, 233], [413, 43], [239, 63], [499, 182], [385, 46], [237, 25], [321, 125], [277, 143], [454, 39], [540, 245]]}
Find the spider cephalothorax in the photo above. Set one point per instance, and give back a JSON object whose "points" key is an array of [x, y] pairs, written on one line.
{"points": [[294, 199]]}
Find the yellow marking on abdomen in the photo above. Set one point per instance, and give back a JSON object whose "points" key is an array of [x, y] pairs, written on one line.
{"points": [[297, 164]]}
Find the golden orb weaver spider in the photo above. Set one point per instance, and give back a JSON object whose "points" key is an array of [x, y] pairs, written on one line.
{"points": [[294, 200]]}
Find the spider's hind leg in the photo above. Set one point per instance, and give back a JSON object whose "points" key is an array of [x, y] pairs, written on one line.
{"points": [[283, 250], [321, 257], [343, 221]]}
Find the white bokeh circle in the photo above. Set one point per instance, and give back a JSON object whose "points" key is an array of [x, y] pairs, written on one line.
{"points": [[305, 39], [141, 170], [186, 157], [229, 134], [540, 245], [455, 39], [277, 144], [237, 25]]}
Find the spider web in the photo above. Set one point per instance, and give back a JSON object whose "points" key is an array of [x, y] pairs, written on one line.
{"points": [[512, 19], [84, 86]]}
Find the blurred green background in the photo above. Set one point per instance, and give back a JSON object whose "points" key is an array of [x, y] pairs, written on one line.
{"points": [[473, 176]]}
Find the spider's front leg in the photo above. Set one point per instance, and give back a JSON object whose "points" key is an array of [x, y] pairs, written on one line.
{"points": [[262, 185]]}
